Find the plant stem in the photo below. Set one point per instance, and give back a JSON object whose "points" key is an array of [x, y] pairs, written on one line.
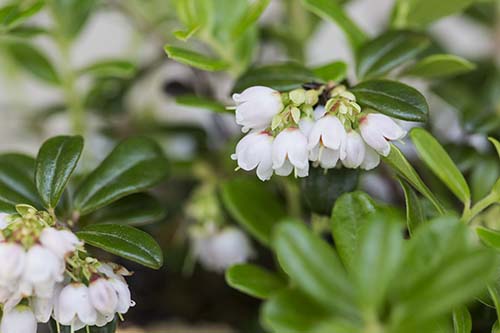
{"points": [[292, 194], [470, 213]]}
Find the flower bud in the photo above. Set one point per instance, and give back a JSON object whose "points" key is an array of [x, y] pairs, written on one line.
{"points": [[256, 107], [12, 257], [290, 152], [20, 320], [255, 151], [60, 242]]}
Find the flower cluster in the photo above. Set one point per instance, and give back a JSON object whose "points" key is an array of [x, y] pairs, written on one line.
{"points": [[323, 125], [46, 273]]}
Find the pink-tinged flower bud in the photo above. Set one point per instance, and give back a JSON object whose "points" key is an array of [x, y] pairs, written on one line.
{"points": [[290, 152], [255, 151], [256, 107], [377, 129]]}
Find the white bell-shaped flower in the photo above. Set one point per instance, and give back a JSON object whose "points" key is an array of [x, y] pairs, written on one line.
{"points": [[306, 125], [290, 153], [60, 242], [42, 308], [354, 148], [42, 270], [377, 129], [103, 297], [74, 307], [326, 140], [19, 320], [371, 160], [256, 107], [255, 151], [115, 278], [12, 259]]}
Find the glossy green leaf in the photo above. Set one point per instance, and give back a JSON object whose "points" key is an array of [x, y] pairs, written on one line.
{"points": [[415, 214], [13, 15], [17, 185], [349, 217], [254, 280], [397, 161], [71, 15], [202, 103], [124, 241], [314, 267], [438, 160], [55, 163], [251, 16], [285, 76], [136, 209], [439, 66], [195, 59], [392, 98], [483, 177], [110, 68], [331, 10], [134, 165], [489, 237], [462, 321], [254, 206], [334, 71], [388, 51], [33, 61]]}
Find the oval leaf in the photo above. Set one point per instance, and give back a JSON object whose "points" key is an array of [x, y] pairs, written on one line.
{"points": [[133, 166], [439, 66], [110, 68], [124, 241], [55, 163], [392, 98], [334, 71], [253, 280], [195, 59], [438, 160], [462, 321], [388, 51]]}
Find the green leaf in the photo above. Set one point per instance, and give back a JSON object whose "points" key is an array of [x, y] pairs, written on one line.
{"points": [[334, 71], [33, 61], [314, 267], [388, 51], [496, 144], [484, 176], [439, 66], [17, 185], [415, 214], [286, 76], [55, 163], [349, 217], [397, 161], [438, 160], [251, 16], [494, 291], [195, 59], [202, 103], [462, 321], [124, 241], [331, 10], [71, 15], [134, 165], [254, 281], [392, 98], [110, 68], [13, 15], [489, 237], [254, 206], [136, 209]]}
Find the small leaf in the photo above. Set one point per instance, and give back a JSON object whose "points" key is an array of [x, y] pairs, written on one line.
{"points": [[110, 68], [134, 165], [254, 281], [184, 35], [415, 214], [392, 98], [55, 163], [331, 10], [496, 144], [314, 267], [33, 61], [124, 241], [384, 53], [335, 71], [72, 15], [438, 160], [194, 59], [251, 16], [202, 103], [462, 321], [253, 206], [489, 237], [286, 76], [13, 15], [439, 66], [397, 161], [484, 175]]}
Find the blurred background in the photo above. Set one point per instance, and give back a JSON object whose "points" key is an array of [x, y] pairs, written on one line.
{"points": [[98, 68]]}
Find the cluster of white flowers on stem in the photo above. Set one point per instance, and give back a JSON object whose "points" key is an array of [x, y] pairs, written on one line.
{"points": [[323, 125], [46, 272]]}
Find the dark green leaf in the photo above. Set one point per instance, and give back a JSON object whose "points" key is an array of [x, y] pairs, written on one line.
{"points": [[349, 217], [28, 31], [285, 76], [331, 10], [134, 165], [55, 163], [110, 68], [314, 267], [253, 206], [17, 185], [392, 98], [335, 71], [388, 51], [13, 15], [254, 281], [33, 61], [194, 59], [438, 160], [462, 321], [415, 214], [124, 241], [439, 66], [202, 103]]}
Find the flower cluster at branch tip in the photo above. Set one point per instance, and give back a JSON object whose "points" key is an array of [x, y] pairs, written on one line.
{"points": [[324, 125], [46, 273]]}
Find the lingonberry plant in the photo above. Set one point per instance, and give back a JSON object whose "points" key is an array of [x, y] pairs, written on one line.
{"points": [[361, 210]]}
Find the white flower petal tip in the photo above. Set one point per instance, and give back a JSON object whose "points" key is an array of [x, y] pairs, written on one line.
{"points": [[255, 151], [290, 153], [20, 319], [256, 107], [377, 129]]}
